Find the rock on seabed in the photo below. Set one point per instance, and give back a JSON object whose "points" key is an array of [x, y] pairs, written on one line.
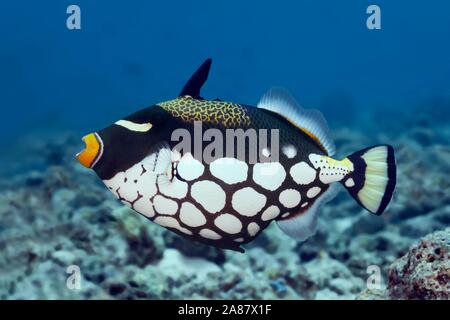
{"points": [[424, 272]]}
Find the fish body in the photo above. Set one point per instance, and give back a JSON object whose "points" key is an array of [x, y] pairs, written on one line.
{"points": [[225, 196]]}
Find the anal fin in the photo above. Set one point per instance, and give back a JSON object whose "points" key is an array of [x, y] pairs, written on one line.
{"points": [[304, 225]]}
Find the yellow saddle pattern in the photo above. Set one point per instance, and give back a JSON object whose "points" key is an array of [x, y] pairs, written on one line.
{"points": [[220, 113]]}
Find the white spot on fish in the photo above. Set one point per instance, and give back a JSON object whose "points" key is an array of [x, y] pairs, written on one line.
{"points": [[209, 234], [228, 223], [312, 192], [302, 173], [252, 228], [170, 222], [190, 168], [164, 205], [269, 175], [289, 151], [270, 213], [290, 198], [174, 189], [209, 194], [248, 202], [265, 152], [229, 170], [191, 215], [349, 183]]}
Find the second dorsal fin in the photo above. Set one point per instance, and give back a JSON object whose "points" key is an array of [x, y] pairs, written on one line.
{"points": [[193, 86], [310, 121]]}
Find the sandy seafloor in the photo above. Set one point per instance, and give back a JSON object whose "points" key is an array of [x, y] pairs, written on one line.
{"points": [[55, 213]]}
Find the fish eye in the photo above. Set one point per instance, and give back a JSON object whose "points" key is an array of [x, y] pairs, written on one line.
{"points": [[132, 126]]}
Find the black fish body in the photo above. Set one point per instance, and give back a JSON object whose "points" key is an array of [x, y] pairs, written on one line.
{"points": [[222, 196]]}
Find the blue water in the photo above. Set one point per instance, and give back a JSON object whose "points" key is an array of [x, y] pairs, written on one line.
{"points": [[133, 54]]}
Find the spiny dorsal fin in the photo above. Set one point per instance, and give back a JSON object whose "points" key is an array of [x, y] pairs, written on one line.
{"points": [[311, 121], [196, 81]]}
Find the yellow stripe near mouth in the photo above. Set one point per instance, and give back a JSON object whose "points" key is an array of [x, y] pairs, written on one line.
{"points": [[91, 151]]}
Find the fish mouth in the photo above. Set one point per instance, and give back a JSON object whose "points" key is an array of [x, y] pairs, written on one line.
{"points": [[92, 152]]}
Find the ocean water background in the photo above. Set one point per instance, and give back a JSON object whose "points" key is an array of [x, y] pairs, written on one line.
{"points": [[129, 55]]}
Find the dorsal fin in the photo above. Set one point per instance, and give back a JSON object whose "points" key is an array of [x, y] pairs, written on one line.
{"points": [[310, 121], [196, 81]]}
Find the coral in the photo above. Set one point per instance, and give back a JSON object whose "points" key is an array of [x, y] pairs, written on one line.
{"points": [[424, 272]]}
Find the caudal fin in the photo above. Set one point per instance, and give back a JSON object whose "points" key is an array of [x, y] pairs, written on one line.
{"points": [[373, 178]]}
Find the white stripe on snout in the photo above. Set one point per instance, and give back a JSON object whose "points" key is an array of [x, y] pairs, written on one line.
{"points": [[139, 127]]}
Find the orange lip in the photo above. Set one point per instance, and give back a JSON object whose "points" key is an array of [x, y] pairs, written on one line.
{"points": [[92, 152]]}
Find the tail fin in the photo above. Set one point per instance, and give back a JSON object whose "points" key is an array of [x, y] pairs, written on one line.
{"points": [[373, 179]]}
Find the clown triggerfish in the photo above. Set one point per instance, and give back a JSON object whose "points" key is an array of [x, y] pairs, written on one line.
{"points": [[229, 198]]}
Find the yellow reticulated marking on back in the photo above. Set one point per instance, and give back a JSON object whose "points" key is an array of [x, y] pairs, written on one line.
{"points": [[188, 109]]}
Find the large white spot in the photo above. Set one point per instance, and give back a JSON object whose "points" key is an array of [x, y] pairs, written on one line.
{"points": [[248, 202], [269, 175], [209, 234], [170, 222], [164, 205], [270, 213], [228, 223], [302, 173], [289, 151], [312, 192], [252, 228], [145, 207], [174, 189], [229, 170], [191, 216], [209, 194], [290, 198], [190, 168]]}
